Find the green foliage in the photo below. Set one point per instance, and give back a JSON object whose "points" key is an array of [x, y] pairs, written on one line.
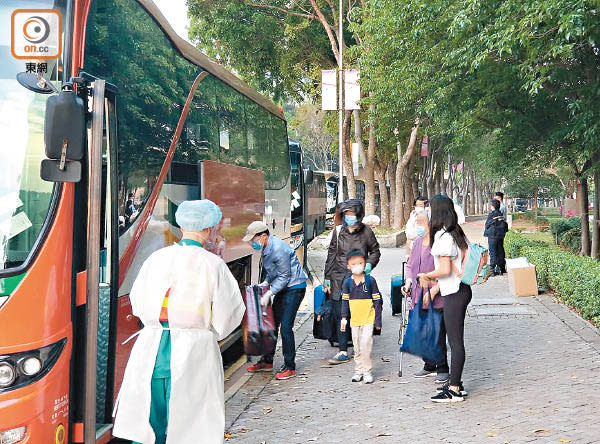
{"points": [[556, 270], [513, 243], [559, 226], [571, 240]]}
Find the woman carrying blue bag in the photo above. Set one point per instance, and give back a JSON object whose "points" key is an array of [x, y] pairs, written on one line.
{"points": [[421, 261], [449, 246]]}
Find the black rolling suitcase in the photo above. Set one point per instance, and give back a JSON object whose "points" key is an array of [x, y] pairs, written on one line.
{"points": [[396, 292]]}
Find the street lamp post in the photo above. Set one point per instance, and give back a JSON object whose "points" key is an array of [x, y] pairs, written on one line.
{"points": [[341, 103]]}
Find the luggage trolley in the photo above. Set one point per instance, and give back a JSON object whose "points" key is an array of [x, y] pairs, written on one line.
{"points": [[399, 307]]}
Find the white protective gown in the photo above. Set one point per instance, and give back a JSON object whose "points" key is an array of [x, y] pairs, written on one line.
{"points": [[205, 305]]}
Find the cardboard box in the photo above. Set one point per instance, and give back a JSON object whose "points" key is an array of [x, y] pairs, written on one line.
{"points": [[522, 281]]}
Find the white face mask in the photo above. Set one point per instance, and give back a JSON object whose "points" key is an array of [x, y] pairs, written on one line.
{"points": [[357, 269], [419, 210]]}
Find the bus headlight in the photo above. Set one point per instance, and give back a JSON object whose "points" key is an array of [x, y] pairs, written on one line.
{"points": [[23, 368], [8, 375], [13, 436], [31, 366]]}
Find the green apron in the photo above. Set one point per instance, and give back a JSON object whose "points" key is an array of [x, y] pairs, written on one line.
{"points": [[160, 385]]}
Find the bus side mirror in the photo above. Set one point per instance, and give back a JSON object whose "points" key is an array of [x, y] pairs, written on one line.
{"points": [[308, 176], [64, 137]]}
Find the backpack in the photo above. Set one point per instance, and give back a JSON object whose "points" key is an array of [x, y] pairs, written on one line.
{"points": [[475, 267]]}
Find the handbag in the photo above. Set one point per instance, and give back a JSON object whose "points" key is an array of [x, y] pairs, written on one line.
{"points": [[423, 333], [258, 325]]}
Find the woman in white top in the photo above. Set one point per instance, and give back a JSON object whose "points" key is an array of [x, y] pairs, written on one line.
{"points": [[449, 246]]}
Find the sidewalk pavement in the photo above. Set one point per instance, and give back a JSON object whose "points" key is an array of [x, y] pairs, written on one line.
{"points": [[532, 375]]}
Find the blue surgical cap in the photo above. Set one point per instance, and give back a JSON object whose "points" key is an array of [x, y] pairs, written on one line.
{"points": [[197, 215]]}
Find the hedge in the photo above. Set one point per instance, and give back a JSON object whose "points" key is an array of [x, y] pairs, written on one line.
{"points": [[575, 279]]}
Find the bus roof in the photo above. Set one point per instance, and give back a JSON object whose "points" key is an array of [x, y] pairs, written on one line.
{"points": [[191, 53]]}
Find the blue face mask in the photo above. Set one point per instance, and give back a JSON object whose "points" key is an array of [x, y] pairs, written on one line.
{"points": [[256, 246], [350, 220], [420, 231]]}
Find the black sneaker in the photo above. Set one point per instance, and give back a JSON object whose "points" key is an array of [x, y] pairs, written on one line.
{"points": [[446, 386], [447, 395]]}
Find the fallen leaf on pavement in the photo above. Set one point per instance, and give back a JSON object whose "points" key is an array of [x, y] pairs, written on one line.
{"points": [[541, 431], [326, 366], [228, 436], [313, 439], [267, 410], [369, 425], [384, 379], [565, 440], [384, 434], [490, 434], [385, 359]]}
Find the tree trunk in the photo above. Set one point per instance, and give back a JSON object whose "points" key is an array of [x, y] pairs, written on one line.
{"points": [[472, 200], [408, 202], [358, 136], [370, 169], [534, 205], [585, 221], [596, 217], [465, 190], [391, 172], [348, 170], [402, 163], [383, 194]]}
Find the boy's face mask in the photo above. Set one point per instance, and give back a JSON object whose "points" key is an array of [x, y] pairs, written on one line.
{"points": [[357, 269]]}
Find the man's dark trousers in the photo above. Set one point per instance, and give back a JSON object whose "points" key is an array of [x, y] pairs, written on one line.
{"points": [[285, 307]]}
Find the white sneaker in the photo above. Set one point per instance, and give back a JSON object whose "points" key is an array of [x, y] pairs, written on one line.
{"points": [[357, 377], [368, 378]]}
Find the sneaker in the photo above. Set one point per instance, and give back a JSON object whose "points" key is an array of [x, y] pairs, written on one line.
{"points": [[357, 377], [447, 395], [442, 378], [260, 366], [285, 373], [339, 358], [424, 373], [368, 378], [441, 388]]}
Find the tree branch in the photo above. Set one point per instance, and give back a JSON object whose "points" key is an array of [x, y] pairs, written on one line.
{"points": [[282, 10], [327, 26]]}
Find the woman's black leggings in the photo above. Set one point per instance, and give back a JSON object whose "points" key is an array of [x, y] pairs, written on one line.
{"points": [[455, 309]]}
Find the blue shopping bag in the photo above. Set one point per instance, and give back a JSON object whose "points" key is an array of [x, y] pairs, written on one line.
{"points": [[319, 297], [423, 332]]}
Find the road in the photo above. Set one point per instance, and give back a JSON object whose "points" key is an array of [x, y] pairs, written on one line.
{"points": [[532, 373]]}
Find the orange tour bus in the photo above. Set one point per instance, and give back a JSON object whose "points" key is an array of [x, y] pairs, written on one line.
{"points": [[99, 147]]}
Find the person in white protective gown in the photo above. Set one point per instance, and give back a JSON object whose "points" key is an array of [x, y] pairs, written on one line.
{"points": [[187, 299]]}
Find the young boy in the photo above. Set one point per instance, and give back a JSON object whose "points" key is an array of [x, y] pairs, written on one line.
{"points": [[361, 302]]}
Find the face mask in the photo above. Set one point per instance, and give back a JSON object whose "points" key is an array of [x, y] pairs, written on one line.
{"points": [[256, 246], [419, 210], [420, 231], [350, 220], [357, 269]]}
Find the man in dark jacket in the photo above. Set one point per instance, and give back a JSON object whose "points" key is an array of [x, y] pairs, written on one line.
{"points": [[495, 232], [351, 235]]}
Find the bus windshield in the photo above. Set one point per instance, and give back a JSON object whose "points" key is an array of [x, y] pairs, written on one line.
{"points": [[24, 196]]}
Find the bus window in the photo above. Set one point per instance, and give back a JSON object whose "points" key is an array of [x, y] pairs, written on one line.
{"points": [[199, 137], [232, 125], [126, 47], [267, 146]]}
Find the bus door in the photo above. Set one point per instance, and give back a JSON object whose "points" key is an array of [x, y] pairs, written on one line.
{"points": [[96, 364]]}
